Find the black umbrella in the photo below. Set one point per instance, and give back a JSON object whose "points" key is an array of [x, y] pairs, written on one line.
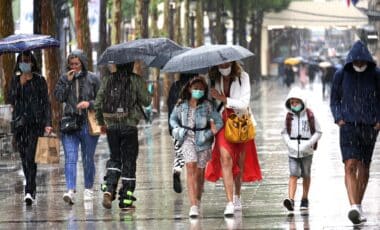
{"points": [[18, 43], [206, 56], [154, 52]]}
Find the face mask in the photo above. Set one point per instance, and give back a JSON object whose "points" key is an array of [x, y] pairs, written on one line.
{"points": [[360, 69], [225, 72], [25, 67], [197, 94], [296, 108]]}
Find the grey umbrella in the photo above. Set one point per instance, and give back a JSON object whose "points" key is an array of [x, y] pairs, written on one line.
{"points": [[205, 56], [154, 52]]}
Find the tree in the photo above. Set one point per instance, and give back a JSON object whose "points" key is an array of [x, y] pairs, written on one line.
{"points": [[258, 8], [83, 29], [199, 19], [51, 58], [102, 45], [116, 22], [8, 60], [141, 29]]}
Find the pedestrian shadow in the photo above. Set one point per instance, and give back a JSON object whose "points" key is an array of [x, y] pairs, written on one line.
{"points": [[235, 222], [298, 221]]}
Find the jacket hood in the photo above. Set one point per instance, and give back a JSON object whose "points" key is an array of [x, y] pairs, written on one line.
{"points": [[82, 57], [296, 93], [359, 52]]}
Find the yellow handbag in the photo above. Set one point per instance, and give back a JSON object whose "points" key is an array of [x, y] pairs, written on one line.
{"points": [[239, 129]]}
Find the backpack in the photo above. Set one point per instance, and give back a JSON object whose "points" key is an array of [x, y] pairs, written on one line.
{"points": [[117, 95], [310, 118]]}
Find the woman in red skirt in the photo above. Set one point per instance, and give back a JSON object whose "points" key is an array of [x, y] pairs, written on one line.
{"points": [[236, 163]]}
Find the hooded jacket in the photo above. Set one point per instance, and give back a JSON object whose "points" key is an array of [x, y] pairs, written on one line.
{"points": [[300, 142], [355, 97], [88, 84]]}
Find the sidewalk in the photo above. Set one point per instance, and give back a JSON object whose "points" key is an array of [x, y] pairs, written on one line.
{"points": [[159, 207]]}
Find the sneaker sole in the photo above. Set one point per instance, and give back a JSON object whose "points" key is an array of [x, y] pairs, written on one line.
{"points": [[107, 201], [130, 208], [229, 214], [177, 182], [28, 201], [194, 215], [68, 200], [288, 205], [354, 216]]}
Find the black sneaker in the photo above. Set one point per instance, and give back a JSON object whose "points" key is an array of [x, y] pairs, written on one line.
{"points": [[354, 216], [177, 182], [304, 204], [289, 204], [126, 203]]}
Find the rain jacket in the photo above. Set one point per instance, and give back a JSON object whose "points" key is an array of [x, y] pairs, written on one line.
{"points": [[355, 97], [88, 84], [300, 142], [204, 112], [31, 100], [139, 95]]}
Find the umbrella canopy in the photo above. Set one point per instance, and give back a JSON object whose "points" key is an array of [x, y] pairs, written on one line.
{"points": [[18, 43], [205, 56], [325, 64], [292, 61], [154, 52]]}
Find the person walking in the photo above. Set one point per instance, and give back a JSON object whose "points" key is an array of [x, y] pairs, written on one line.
{"points": [[31, 115], [173, 97], [237, 163], [195, 122], [354, 103], [118, 111], [77, 90], [301, 133]]}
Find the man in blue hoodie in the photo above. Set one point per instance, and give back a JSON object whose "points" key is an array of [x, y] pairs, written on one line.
{"points": [[354, 103]]}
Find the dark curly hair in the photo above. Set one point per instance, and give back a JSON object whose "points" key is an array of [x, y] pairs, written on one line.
{"points": [[185, 92]]}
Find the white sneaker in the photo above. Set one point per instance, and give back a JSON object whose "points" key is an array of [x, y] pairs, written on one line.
{"points": [[194, 213], [28, 199], [229, 211], [362, 217], [88, 194], [237, 203], [354, 216], [68, 197]]}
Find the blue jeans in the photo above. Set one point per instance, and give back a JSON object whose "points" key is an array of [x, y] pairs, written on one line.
{"points": [[70, 144]]}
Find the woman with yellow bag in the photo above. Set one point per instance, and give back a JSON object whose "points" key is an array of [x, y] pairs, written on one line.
{"points": [[235, 162]]}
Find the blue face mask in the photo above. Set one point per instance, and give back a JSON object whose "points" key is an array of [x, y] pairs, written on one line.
{"points": [[296, 108], [197, 94], [25, 67]]}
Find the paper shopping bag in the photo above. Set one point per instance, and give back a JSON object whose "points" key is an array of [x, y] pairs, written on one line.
{"points": [[93, 126], [47, 151]]}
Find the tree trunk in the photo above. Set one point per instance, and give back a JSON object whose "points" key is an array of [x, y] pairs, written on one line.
{"points": [[155, 76], [51, 57], [37, 26], [7, 60], [255, 44], [116, 22], [178, 28], [199, 21], [235, 20], [83, 30], [102, 45], [186, 26], [242, 21], [154, 16], [141, 29]]}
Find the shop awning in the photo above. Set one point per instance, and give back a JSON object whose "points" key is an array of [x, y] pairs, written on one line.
{"points": [[316, 14]]}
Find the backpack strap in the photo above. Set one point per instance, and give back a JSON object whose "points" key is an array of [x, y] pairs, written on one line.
{"points": [[311, 119], [288, 122]]}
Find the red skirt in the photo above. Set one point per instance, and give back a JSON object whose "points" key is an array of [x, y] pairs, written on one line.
{"points": [[251, 172]]}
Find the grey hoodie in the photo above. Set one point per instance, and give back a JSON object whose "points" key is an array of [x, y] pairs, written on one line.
{"points": [[87, 82], [300, 128]]}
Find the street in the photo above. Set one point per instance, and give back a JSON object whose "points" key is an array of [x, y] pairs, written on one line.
{"points": [[159, 207]]}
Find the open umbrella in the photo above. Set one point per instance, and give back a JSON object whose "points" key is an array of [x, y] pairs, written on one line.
{"points": [[292, 61], [206, 56], [154, 52], [18, 43]]}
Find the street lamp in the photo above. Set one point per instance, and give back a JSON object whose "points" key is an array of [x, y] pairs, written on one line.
{"points": [[192, 15]]}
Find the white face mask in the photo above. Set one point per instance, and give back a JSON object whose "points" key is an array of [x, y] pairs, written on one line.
{"points": [[360, 69], [225, 71]]}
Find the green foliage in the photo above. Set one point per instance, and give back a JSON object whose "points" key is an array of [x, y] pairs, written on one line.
{"points": [[267, 6], [128, 8], [1, 98]]}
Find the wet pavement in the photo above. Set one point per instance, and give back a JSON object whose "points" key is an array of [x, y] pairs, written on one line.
{"points": [[159, 207]]}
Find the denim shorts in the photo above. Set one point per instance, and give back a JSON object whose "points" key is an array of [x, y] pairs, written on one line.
{"points": [[300, 167], [357, 142]]}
